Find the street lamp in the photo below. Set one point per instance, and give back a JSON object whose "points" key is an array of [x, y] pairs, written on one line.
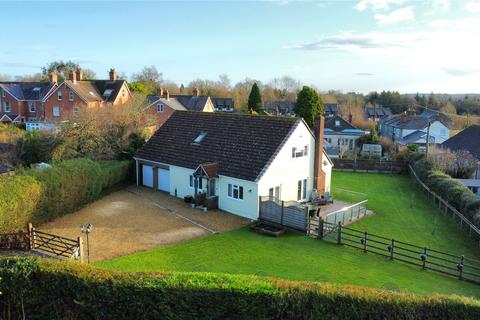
{"points": [[87, 230]]}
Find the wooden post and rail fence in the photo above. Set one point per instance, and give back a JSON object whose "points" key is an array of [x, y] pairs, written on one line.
{"points": [[43, 243], [445, 263]]}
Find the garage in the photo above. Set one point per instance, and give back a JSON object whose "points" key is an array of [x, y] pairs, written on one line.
{"points": [[147, 176], [163, 179]]}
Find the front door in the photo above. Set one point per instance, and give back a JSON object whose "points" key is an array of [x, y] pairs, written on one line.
{"points": [[163, 180], [211, 188]]}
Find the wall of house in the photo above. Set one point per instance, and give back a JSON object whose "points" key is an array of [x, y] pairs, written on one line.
{"points": [[159, 118], [209, 107], [342, 140], [327, 167], [123, 96], [65, 105], [16, 107], [439, 131], [285, 171]]}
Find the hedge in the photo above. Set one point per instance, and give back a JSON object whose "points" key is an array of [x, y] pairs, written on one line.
{"points": [[454, 192], [39, 196], [50, 289]]}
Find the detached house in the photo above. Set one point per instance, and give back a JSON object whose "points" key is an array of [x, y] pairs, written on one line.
{"points": [[405, 129], [76, 94], [232, 159], [22, 102], [163, 105], [341, 136]]}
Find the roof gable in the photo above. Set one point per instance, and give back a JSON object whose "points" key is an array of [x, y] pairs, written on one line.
{"points": [[468, 139], [27, 91], [338, 124], [241, 145]]}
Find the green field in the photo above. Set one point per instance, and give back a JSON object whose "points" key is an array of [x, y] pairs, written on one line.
{"points": [[400, 212]]}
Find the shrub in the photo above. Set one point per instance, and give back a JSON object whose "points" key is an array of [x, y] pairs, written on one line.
{"points": [[59, 290], [38, 196]]}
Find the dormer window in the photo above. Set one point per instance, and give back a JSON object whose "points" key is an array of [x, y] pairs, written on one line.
{"points": [[108, 92], [160, 107], [337, 123], [31, 107], [200, 138], [59, 96], [70, 96]]}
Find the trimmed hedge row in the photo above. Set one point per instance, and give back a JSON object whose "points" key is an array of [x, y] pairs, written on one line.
{"points": [[455, 193], [38, 196], [50, 289]]}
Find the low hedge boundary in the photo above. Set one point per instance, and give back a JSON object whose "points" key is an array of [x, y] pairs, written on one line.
{"points": [[454, 192], [38, 196], [48, 289]]}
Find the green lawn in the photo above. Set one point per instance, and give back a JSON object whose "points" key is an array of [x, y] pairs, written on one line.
{"points": [[298, 257]]}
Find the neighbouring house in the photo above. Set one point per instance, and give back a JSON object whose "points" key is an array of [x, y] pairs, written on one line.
{"points": [[280, 107], [75, 94], [223, 104], [468, 140], [341, 136], [163, 105], [411, 129], [232, 159], [23, 102], [330, 109], [377, 113]]}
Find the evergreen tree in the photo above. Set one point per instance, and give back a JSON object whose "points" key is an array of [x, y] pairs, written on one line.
{"points": [[308, 105], [255, 99]]}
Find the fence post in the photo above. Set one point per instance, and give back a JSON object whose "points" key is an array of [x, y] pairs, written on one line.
{"points": [[281, 213], [30, 236], [393, 248], [365, 237], [460, 267], [339, 233], [320, 228], [424, 257], [80, 249]]}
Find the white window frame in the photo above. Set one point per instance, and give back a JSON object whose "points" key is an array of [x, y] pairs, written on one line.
{"points": [[56, 114], [192, 183], [302, 190], [70, 95], [275, 192], [160, 108], [76, 109], [4, 94], [59, 95], [231, 188], [7, 107], [32, 107], [298, 153]]}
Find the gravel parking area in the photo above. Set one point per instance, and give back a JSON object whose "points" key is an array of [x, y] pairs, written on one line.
{"points": [[137, 219]]}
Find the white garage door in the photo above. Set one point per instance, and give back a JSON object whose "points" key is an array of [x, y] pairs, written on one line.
{"points": [[147, 172], [163, 180]]}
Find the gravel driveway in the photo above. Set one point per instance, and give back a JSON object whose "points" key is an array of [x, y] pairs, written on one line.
{"points": [[137, 219]]}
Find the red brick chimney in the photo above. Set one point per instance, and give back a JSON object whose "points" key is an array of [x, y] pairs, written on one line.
{"points": [[319, 175], [53, 77], [160, 92], [113, 74], [166, 95], [350, 118], [196, 92], [79, 74], [72, 75]]}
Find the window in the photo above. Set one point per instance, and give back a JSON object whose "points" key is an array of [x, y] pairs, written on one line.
{"points": [[31, 107], [108, 92], [7, 107], [59, 95], [192, 182], [76, 109], [302, 190], [160, 107], [70, 95], [274, 192], [337, 123], [192, 185], [235, 191], [3, 93], [123, 92], [200, 137], [297, 153], [56, 111]]}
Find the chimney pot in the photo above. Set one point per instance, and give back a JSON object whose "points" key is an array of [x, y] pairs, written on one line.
{"points": [[160, 92], [196, 92], [79, 74], [113, 74], [166, 95], [350, 118], [72, 76], [53, 77]]}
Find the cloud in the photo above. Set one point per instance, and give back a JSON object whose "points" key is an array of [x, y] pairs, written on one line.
{"points": [[20, 65], [404, 14], [460, 72], [377, 4], [473, 6], [441, 23], [364, 74]]}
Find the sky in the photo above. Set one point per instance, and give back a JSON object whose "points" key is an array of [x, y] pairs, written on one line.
{"points": [[363, 45]]}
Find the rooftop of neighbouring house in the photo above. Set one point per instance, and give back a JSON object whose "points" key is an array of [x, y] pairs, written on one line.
{"points": [[337, 124], [97, 90], [330, 108], [407, 121], [282, 106], [27, 91], [467, 139], [240, 145], [378, 112]]}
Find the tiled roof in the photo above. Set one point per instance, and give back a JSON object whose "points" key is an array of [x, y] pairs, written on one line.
{"points": [[468, 139], [192, 103], [343, 125], [379, 111], [241, 145], [27, 90], [282, 106], [223, 103], [330, 107], [172, 102], [97, 90], [412, 123]]}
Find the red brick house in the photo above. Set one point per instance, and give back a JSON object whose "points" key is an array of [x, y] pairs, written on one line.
{"points": [[76, 94]]}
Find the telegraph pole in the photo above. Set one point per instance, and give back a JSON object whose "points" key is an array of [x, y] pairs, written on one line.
{"points": [[428, 138]]}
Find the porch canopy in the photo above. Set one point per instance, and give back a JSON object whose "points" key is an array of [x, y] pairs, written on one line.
{"points": [[208, 171]]}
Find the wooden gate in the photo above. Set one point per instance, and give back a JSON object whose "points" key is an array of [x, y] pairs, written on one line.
{"points": [[289, 214]]}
